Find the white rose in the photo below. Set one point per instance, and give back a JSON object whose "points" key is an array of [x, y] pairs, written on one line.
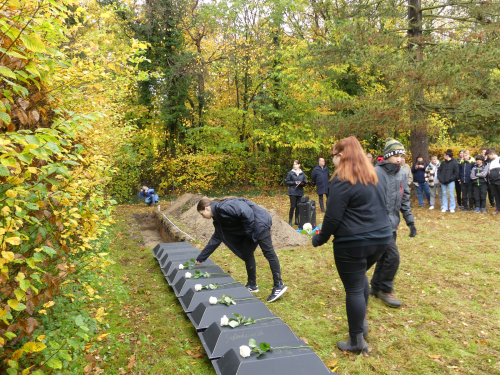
{"points": [[181, 267], [224, 321], [307, 227], [213, 300], [187, 275], [245, 351], [198, 287]]}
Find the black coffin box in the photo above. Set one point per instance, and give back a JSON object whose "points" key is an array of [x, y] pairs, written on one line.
{"points": [[173, 263], [168, 246], [218, 340], [301, 361], [192, 298], [181, 287], [176, 274], [205, 314], [185, 254]]}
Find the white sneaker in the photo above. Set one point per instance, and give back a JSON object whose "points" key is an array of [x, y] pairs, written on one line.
{"points": [[443, 210], [431, 207], [452, 211]]}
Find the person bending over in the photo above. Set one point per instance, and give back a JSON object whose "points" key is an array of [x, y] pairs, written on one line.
{"points": [[359, 221], [149, 194], [242, 225]]}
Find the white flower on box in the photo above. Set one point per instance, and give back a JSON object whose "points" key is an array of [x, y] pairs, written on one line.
{"points": [[212, 300], [224, 321], [198, 287], [181, 267], [245, 351], [187, 275]]}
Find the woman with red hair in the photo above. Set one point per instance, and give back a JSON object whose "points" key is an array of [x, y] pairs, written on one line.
{"points": [[358, 218]]}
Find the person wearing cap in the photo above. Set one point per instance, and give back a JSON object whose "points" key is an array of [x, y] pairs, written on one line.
{"points": [[448, 173], [398, 201], [479, 178]]}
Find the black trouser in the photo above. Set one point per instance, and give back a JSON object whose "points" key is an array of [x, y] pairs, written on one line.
{"points": [[467, 196], [321, 205], [458, 191], [387, 267], [266, 245], [352, 265], [495, 190], [490, 196], [294, 199], [479, 192]]}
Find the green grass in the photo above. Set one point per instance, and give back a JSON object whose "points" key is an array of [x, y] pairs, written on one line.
{"points": [[448, 282]]}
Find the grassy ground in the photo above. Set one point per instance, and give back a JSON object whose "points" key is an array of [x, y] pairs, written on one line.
{"points": [[448, 281]]}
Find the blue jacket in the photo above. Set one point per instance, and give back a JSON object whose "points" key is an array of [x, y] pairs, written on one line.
{"points": [[238, 224], [418, 174], [294, 189], [150, 196], [464, 170], [321, 177]]}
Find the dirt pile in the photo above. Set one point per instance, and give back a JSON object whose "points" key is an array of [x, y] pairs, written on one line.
{"points": [[148, 227], [283, 235], [182, 204]]}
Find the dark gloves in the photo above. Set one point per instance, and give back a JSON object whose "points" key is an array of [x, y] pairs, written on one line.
{"points": [[315, 241], [413, 230]]}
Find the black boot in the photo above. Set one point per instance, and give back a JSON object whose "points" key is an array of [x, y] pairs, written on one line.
{"points": [[355, 345], [290, 222]]}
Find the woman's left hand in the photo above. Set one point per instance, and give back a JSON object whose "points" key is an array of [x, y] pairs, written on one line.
{"points": [[315, 241]]}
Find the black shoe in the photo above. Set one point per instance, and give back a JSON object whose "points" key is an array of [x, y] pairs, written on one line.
{"points": [[290, 223], [389, 299], [252, 288], [465, 209], [277, 292], [360, 346]]}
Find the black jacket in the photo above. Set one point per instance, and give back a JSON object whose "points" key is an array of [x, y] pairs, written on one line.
{"points": [[465, 167], [238, 224], [321, 176], [448, 172], [295, 189], [356, 209], [397, 192]]}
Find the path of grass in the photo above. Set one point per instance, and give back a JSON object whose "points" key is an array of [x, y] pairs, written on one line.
{"points": [[448, 281]]}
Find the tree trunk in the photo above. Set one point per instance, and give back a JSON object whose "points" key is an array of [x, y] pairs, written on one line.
{"points": [[418, 116]]}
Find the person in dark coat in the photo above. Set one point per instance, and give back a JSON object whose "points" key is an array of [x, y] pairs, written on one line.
{"points": [[418, 171], [242, 225], [448, 173], [321, 176], [358, 219], [398, 202], [464, 169], [296, 180]]}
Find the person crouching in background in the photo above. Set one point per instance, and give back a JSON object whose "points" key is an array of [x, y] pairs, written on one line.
{"points": [[149, 194]]}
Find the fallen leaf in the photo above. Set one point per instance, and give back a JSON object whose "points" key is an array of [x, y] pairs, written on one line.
{"points": [[305, 340], [434, 356]]}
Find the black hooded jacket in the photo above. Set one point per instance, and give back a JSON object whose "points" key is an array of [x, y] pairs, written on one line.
{"points": [[448, 172], [238, 224]]}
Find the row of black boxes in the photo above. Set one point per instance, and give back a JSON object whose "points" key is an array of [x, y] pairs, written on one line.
{"points": [[222, 343]]}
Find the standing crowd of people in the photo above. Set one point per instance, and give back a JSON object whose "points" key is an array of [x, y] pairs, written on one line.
{"points": [[465, 183]]}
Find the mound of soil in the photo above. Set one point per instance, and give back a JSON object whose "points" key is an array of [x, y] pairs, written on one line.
{"points": [[283, 235], [182, 204]]}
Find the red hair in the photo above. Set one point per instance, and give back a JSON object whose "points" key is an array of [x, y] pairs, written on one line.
{"points": [[354, 166]]}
